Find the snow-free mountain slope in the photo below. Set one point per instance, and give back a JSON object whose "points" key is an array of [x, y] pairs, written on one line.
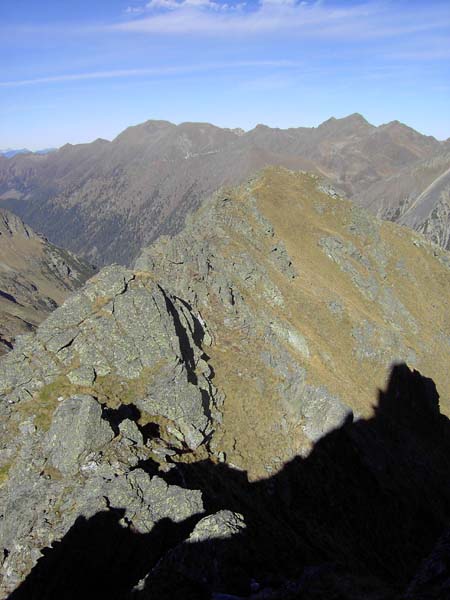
{"points": [[35, 278], [105, 200]]}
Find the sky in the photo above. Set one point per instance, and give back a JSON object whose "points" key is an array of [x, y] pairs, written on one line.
{"points": [[75, 70]]}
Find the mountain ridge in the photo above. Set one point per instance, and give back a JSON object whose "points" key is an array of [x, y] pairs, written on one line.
{"points": [[105, 200]]}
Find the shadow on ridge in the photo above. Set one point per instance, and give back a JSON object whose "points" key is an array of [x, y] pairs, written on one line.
{"points": [[364, 516]]}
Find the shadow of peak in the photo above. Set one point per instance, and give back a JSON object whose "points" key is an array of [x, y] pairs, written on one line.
{"points": [[410, 399], [100, 558], [354, 519]]}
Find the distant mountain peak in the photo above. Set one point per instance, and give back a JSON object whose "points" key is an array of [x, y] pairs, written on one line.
{"points": [[11, 152], [354, 120]]}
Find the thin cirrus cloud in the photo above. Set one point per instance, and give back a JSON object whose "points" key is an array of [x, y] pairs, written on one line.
{"points": [[152, 71], [211, 17]]}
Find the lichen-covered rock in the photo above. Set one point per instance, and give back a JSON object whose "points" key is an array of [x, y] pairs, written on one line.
{"points": [[113, 375], [77, 429], [221, 525]]}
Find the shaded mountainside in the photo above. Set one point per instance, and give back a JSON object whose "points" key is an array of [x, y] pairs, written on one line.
{"points": [[35, 278], [10, 152], [208, 424], [418, 196], [106, 200]]}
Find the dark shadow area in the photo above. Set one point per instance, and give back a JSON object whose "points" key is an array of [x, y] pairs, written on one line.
{"points": [[185, 347], [115, 416], [9, 297], [100, 558], [365, 516]]}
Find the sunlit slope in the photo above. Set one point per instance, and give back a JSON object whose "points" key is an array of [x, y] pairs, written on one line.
{"points": [[309, 301]]}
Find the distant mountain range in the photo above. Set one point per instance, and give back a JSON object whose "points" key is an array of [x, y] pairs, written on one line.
{"points": [[105, 200], [10, 152]]}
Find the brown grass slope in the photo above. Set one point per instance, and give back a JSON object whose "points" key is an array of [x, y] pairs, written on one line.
{"points": [[367, 294]]}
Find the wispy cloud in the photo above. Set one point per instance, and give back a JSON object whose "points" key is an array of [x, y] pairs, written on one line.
{"points": [[312, 18], [153, 71], [359, 21], [155, 5], [434, 47]]}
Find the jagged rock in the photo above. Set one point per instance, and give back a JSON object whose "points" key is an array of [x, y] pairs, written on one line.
{"points": [[121, 341], [181, 401], [148, 500], [130, 432], [220, 525]]}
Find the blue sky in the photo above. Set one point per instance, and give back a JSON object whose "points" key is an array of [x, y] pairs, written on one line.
{"points": [[72, 71]]}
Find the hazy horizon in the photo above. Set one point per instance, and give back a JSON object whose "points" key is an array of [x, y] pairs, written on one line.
{"points": [[94, 137]]}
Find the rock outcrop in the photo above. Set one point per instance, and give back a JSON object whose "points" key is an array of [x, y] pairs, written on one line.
{"points": [[206, 424]]}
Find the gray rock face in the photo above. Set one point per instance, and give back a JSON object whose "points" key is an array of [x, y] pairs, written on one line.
{"points": [[322, 413], [122, 341], [77, 428], [144, 328], [221, 525], [418, 196]]}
